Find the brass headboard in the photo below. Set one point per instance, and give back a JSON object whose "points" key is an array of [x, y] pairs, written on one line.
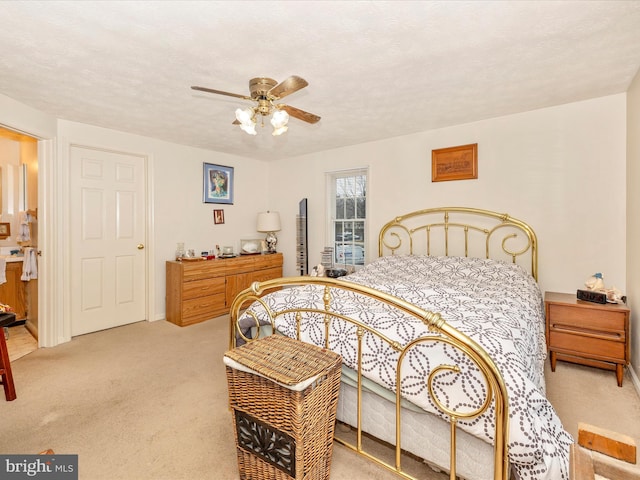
{"points": [[461, 231]]}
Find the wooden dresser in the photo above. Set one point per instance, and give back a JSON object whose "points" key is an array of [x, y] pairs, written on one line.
{"points": [[200, 290], [588, 333]]}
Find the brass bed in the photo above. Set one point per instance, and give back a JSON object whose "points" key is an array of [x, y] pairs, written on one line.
{"points": [[327, 311]]}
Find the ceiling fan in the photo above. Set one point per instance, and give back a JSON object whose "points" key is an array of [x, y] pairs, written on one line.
{"points": [[265, 92]]}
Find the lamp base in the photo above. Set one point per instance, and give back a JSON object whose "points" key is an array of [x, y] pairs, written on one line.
{"points": [[271, 241]]}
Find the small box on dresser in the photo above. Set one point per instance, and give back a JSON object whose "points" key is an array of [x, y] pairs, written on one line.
{"points": [[587, 333]]}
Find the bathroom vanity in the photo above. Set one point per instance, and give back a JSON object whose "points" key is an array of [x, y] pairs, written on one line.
{"points": [[13, 292]]}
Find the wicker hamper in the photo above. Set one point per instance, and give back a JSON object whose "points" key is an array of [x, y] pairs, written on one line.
{"points": [[284, 395]]}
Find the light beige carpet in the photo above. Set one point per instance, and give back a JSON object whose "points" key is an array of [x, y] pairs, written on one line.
{"points": [[149, 401]]}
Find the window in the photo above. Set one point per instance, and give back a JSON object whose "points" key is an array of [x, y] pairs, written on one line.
{"points": [[348, 215]]}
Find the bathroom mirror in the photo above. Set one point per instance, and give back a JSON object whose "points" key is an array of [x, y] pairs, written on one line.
{"points": [[9, 165], [18, 159]]}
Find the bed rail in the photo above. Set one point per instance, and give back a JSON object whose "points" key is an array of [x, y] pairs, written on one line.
{"points": [[461, 231], [250, 306]]}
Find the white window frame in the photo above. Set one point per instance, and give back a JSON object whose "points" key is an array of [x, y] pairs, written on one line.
{"points": [[331, 178]]}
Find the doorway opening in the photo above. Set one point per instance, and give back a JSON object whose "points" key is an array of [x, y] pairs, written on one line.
{"points": [[19, 238]]}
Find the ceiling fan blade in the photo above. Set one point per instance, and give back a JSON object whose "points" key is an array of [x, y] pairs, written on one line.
{"points": [[288, 86], [299, 114], [220, 92]]}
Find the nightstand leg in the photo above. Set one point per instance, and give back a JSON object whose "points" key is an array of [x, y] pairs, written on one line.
{"points": [[619, 373], [552, 356]]}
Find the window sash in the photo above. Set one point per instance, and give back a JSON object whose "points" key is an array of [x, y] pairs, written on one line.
{"points": [[347, 223]]}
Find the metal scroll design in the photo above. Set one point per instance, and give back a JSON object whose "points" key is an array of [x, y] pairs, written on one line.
{"points": [[249, 302], [439, 226], [270, 444]]}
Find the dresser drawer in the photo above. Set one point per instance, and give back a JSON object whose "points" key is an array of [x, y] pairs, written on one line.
{"points": [[198, 270], [203, 308], [591, 319], [268, 274], [268, 261], [203, 288]]}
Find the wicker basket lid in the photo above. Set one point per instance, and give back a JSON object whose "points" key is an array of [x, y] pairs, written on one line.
{"points": [[283, 359]]}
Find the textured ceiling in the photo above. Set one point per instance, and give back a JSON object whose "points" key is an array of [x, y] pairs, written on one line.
{"points": [[375, 69]]}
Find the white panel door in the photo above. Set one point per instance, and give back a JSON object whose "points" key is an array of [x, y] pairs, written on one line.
{"points": [[108, 233]]}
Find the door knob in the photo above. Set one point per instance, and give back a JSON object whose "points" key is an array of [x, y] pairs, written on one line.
{"points": [[140, 246]]}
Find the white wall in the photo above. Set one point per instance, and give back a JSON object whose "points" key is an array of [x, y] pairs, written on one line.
{"points": [[633, 221], [176, 180], [561, 169], [19, 116]]}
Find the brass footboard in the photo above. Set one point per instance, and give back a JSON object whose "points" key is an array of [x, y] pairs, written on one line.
{"points": [[255, 312]]}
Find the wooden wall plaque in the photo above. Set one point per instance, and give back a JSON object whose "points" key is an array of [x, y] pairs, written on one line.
{"points": [[454, 163]]}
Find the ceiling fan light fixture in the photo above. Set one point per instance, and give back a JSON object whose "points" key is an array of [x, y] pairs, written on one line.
{"points": [[250, 129], [263, 92], [245, 116], [247, 120], [279, 130], [279, 118]]}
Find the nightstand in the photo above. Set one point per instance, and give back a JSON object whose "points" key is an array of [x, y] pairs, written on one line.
{"points": [[587, 333]]}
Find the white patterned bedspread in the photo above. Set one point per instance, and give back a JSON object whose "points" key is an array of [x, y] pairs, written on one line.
{"points": [[497, 304]]}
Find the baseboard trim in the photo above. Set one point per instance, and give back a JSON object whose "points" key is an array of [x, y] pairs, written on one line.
{"points": [[33, 329], [634, 379]]}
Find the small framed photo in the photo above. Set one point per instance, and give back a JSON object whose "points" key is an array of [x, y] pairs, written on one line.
{"points": [[217, 184], [251, 246], [5, 230], [218, 216], [454, 163]]}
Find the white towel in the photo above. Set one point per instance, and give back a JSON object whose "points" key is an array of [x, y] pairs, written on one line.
{"points": [[3, 270], [24, 230], [29, 264]]}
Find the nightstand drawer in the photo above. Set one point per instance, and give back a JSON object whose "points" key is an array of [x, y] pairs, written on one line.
{"points": [[573, 343], [596, 319]]}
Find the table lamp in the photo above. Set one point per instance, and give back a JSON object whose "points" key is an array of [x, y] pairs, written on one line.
{"points": [[269, 223]]}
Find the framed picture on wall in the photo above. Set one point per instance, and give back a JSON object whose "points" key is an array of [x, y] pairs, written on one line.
{"points": [[217, 184], [454, 163], [5, 230], [218, 217]]}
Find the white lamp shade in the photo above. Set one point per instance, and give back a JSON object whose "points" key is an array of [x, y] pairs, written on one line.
{"points": [[268, 222], [279, 118], [279, 130], [245, 116], [250, 129]]}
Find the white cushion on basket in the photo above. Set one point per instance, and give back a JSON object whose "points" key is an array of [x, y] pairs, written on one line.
{"points": [[298, 387]]}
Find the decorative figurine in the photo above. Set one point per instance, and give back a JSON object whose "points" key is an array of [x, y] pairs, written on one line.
{"points": [[595, 282]]}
